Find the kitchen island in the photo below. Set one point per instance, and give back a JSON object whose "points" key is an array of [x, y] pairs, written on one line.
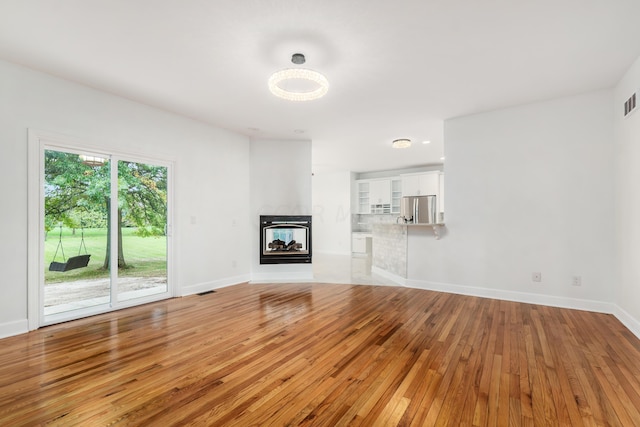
{"points": [[390, 248]]}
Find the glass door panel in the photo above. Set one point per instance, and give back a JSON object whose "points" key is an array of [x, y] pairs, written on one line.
{"points": [[142, 230], [76, 232], [105, 243]]}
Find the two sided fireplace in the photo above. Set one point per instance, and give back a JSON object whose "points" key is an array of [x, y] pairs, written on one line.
{"points": [[285, 239]]}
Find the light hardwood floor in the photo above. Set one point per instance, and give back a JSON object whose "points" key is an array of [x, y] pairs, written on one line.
{"points": [[326, 355]]}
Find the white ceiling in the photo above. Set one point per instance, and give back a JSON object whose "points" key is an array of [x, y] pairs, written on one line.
{"points": [[396, 68]]}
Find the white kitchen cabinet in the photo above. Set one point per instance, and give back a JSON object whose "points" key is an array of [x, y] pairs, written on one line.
{"points": [[421, 184], [430, 184], [426, 184], [396, 195], [380, 192], [378, 196], [361, 243], [364, 203], [410, 185]]}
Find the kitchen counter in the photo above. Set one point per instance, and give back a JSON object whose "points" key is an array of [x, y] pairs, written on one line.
{"points": [[437, 227], [390, 248]]}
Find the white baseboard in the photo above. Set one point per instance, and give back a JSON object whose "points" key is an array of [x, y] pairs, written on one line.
{"points": [[387, 275], [282, 277], [549, 300], [215, 284], [348, 253], [524, 297], [528, 298], [627, 320], [22, 326], [16, 327]]}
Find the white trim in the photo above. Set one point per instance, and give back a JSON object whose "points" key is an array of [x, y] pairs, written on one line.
{"points": [[84, 145], [282, 277], [214, 284], [524, 297], [80, 313], [113, 236], [35, 222], [627, 320], [388, 275], [16, 327], [348, 253], [38, 141]]}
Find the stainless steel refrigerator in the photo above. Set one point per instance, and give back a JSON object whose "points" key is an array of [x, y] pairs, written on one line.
{"points": [[418, 209]]}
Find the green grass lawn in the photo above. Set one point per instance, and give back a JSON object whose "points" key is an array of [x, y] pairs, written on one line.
{"points": [[145, 256]]}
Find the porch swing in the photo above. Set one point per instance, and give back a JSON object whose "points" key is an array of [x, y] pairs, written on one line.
{"points": [[73, 262]]}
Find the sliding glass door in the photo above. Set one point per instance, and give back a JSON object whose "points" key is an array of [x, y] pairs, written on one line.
{"points": [[142, 230], [105, 233]]}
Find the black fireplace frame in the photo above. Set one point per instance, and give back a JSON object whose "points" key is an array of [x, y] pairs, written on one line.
{"points": [[285, 221]]}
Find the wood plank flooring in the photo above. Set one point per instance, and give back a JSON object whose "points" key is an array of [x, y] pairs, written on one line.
{"points": [[325, 355]]}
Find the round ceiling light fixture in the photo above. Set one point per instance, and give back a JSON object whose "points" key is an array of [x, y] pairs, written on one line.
{"points": [[298, 84], [401, 143]]}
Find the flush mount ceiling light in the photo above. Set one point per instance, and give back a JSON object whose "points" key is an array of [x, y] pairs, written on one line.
{"points": [[401, 143], [298, 84]]}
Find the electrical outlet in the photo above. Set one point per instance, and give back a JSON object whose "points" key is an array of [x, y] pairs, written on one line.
{"points": [[234, 263], [576, 281], [536, 277]]}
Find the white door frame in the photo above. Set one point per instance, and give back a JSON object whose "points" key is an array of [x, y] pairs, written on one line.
{"points": [[38, 141]]}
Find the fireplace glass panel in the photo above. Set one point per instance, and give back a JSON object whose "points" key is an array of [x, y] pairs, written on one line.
{"points": [[285, 239], [279, 240]]}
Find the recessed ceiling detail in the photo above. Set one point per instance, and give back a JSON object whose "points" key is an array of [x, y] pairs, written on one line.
{"points": [[298, 84]]}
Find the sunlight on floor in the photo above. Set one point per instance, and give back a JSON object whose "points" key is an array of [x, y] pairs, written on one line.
{"points": [[331, 268], [327, 268]]}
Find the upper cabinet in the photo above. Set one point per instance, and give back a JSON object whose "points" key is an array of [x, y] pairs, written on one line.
{"points": [[380, 192], [426, 184], [421, 184], [396, 195], [364, 204], [384, 195], [410, 185], [375, 196]]}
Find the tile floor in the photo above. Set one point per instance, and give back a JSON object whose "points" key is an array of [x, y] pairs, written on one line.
{"points": [[346, 269]]}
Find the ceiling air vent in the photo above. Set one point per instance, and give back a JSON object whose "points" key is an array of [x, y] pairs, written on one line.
{"points": [[630, 105]]}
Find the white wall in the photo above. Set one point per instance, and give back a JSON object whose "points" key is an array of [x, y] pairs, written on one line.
{"points": [[529, 189], [280, 185], [627, 132], [332, 212], [211, 176]]}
